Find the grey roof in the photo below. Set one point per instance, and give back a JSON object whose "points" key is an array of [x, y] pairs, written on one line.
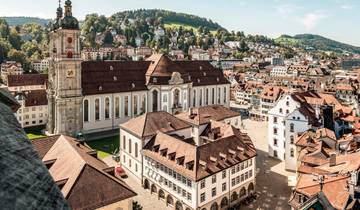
{"points": [[25, 182]]}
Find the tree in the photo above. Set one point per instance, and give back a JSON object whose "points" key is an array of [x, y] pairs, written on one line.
{"points": [[15, 39], [19, 56], [5, 47], [4, 29], [29, 48]]}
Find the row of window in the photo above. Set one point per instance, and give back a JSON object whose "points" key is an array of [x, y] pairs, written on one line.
{"points": [[241, 166], [177, 189], [243, 177], [33, 116], [166, 170], [130, 146], [130, 163], [106, 108], [207, 96], [28, 109], [213, 192]]}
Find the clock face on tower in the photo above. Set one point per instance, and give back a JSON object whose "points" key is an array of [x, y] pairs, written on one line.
{"points": [[70, 73]]}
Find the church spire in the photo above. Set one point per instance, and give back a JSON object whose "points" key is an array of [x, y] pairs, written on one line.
{"points": [[59, 12], [68, 8]]}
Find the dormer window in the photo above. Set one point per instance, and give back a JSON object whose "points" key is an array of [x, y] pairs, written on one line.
{"points": [[100, 88], [198, 80], [111, 68], [200, 68], [133, 85], [190, 165], [154, 80], [204, 74], [115, 78], [171, 156]]}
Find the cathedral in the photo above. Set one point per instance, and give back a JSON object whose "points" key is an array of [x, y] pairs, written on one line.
{"points": [[95, 96]]}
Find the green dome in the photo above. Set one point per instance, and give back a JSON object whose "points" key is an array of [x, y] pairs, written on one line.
{"points": [[69, 22]]}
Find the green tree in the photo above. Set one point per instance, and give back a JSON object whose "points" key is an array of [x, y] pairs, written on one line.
{"points": [[5, 47], [15, 39], [19, 56], [29, 48], [4, 29]]}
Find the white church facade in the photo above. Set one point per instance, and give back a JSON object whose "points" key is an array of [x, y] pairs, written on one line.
{"points": [[94, 96]]}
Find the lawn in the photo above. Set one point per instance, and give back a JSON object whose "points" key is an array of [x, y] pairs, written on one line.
{"points": [[106, 146], [34, 133], [186, 27]]}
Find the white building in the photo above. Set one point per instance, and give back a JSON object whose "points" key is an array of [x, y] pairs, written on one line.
{"points": [[10, 68], [184, 158], [292, 115], [33, 110], [279, 71], [41, 66]]}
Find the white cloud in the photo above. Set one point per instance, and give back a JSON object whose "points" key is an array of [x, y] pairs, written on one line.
{"points": [[287, 10], [310, 20], [346, 6]]}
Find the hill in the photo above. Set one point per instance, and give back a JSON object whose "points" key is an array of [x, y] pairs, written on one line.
{"points": [[311, 41], [169, 17], [14, 21]]}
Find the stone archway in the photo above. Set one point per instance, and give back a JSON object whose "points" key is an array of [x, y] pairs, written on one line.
{"points": [[224, 203], [234, 197], [178, 206], [242, 192], [214, 206], [169, 200], [146, 184], [251, 188], [153, 189], [161, 195]]}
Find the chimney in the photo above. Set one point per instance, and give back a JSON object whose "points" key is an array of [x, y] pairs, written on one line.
{"points": [[332, 161], [191, 111]]}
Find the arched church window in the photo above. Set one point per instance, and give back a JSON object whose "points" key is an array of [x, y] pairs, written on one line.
{"points": [[155, 99], [117, 107], [207, 96], [135, 102], [176, 98], [143, 105], [194, 98], [86, 111], [97, 109], [107, 108]]}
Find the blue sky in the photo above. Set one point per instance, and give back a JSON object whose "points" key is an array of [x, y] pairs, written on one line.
{"points": [[336, 19]]}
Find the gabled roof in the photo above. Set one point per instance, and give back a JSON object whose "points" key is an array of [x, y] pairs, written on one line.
{"points": [[78, 174], [148, 124], [101, 77], [27, 80], [231, 148], [203, 115]]}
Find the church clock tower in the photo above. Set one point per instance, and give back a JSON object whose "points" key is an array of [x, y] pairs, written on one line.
{"points": [[64, 88]]}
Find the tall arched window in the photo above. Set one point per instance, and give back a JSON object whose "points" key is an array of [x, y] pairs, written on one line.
{"points": [[86, 110], [136, 149], [225, 95], [117, 107], [201, 96], [97, 109], [107, 108], [213, 95], [207, 96], [135, 102], [176, 98], [219, 95], [194, 98], [126, 106], [143, 105], [155, 98]]}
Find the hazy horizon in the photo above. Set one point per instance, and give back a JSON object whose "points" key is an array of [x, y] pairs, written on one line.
{"points": [[334, 19]]}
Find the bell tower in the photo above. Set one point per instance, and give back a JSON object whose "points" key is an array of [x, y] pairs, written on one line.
{"points": [[64, 87]]}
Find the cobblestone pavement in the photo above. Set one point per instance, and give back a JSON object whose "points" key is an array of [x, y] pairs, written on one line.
{"points": [[271, 178]]}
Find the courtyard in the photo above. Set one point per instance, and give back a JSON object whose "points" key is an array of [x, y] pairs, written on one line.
{"points": [[272, 180]]}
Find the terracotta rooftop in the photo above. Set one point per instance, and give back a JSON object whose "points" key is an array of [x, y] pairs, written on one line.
{"points": [[82, 178], [27, 80], [203, 115], [150, 123], [198, 162]]}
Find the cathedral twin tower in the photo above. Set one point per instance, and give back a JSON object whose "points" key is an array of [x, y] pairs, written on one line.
{"points": [[64, 86]]}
